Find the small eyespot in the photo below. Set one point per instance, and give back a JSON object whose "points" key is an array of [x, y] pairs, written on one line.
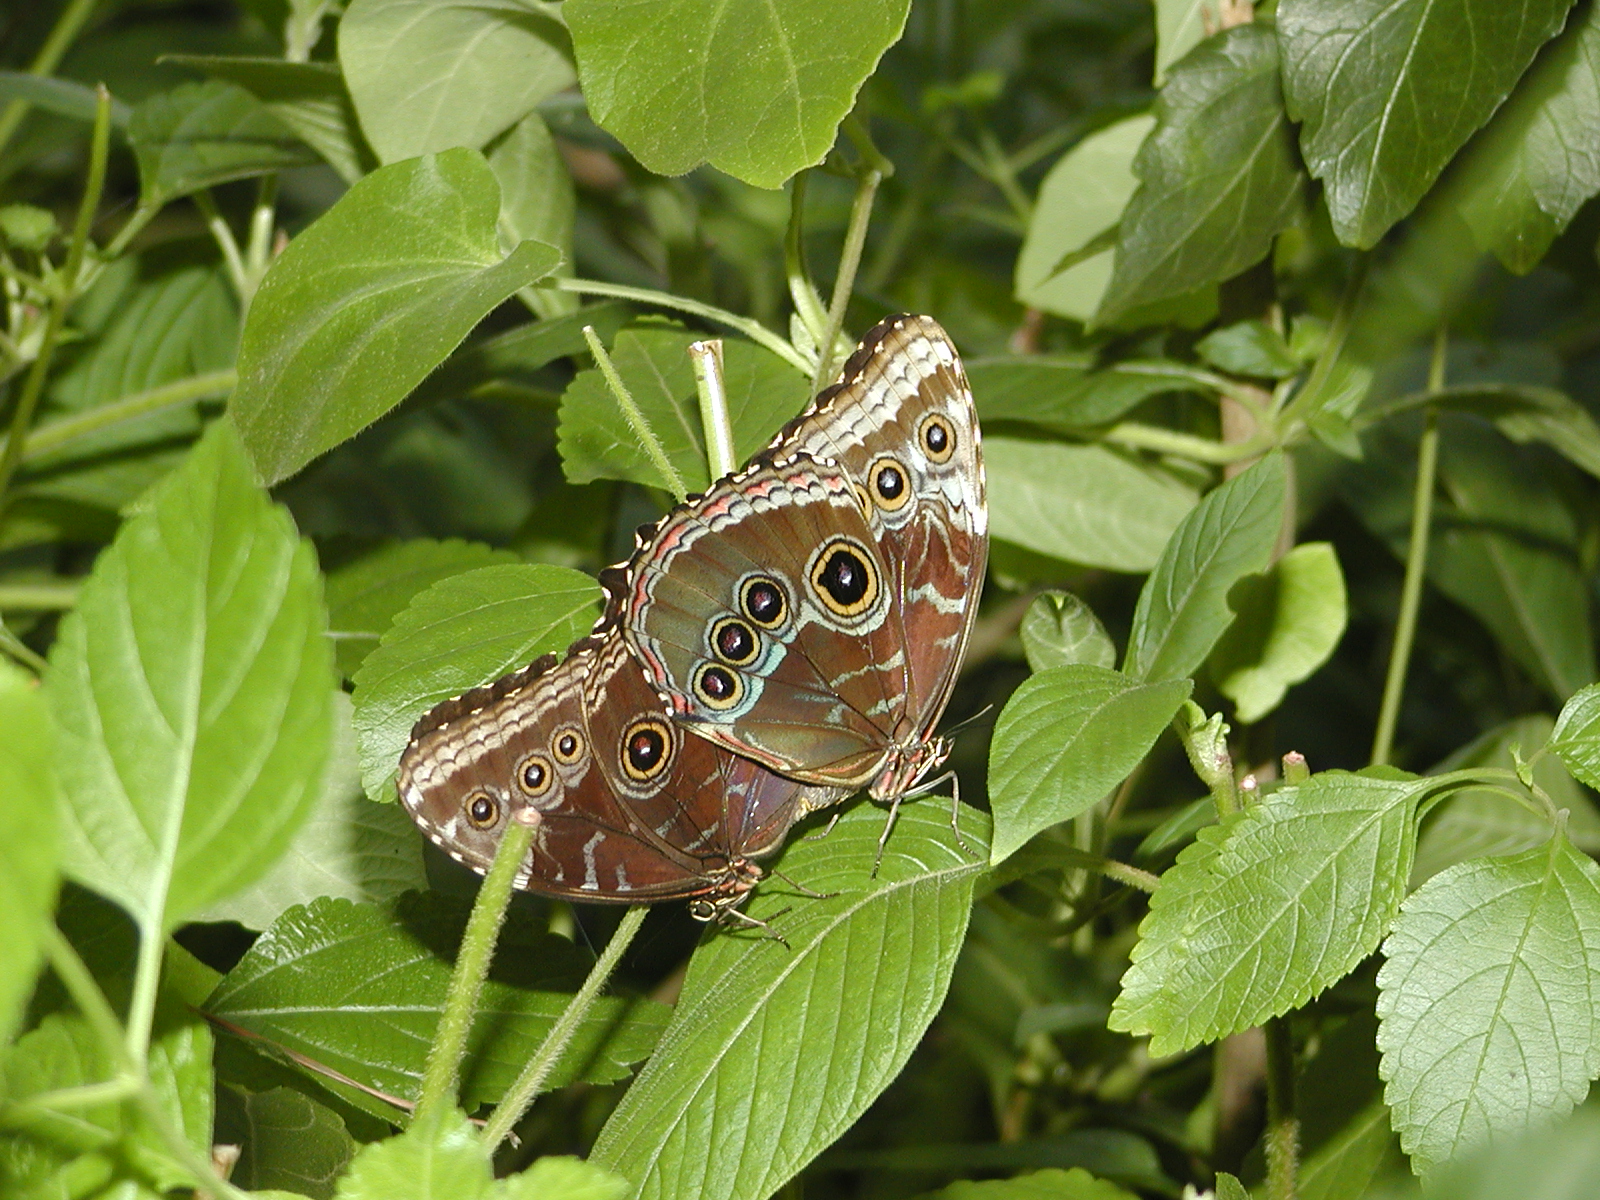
{"points": [[844, 578], [890, 488], [568, 746], [718, 687], [938, 438], [763, 602], [534, 775], [481, 810], [734, 642], [645, 748]]}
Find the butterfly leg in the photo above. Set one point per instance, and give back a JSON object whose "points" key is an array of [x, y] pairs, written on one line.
{"points": [[817, 837], [802, 888], [731, 916]]}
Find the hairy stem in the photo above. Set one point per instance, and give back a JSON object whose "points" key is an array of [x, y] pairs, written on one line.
{"points": [[212, 386], [636, 419], [1283, 1126]]}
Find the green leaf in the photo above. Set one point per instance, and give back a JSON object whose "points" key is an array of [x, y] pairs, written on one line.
{"points": [[1054, 1184], [537, 197], [596, 441], [365, 596], [1524, 413], [202, 134], [1265, 910], [1536, 163], [783, 1049], [1081, 198], [30, 800], [1488, 1021], [757, 92], [1229, 1187], [1558, 1163], [1249, 348], [1083, 504], [460, 632], [359, 988], [1218, 177], [1068, 395], [190, 689], [1387, 92], [1287, 624], [286, 1140], [428, 75], [63, 97], [562, 1177], [349, 847], [1183, 607], [1059, 630], [309, 98], [1065, 738], [368, 300], [1576, 738], [1180, 27]]}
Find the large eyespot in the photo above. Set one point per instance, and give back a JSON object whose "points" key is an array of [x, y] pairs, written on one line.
{"points": [[481, 809], [763, 602], [938, 437], [645, 749], [717, 687], [844, 577], [734, 642], [568, 746], [890, 486], [534, 775]]}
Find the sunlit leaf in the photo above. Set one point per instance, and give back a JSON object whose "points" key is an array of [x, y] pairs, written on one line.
{"points": [[30, 799]]}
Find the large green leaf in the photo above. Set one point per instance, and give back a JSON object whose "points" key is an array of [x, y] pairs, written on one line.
{"points": [[30, 800], [1180, 26], [597, 442], [191, 688], [359, 988], [1083, 504], [755, 90], [1065, 738], [1183, 607], [1489, 1022], [286, 1140], [368, 300], [773, 1052], [460, 632], [1218, 177], [1059, 629], [1538, 161], [1268, 908], [1556, 1163], [428, 75], [202, 134], [1388, 90], [1068, 394], [537, 197], [1576, 737]]}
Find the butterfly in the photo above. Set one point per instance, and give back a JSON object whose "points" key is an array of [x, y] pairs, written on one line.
{"points": [[624, 806], [811, 611]]}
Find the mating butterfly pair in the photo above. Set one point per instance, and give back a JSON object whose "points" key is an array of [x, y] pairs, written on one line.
{"points": [[774, 645]]}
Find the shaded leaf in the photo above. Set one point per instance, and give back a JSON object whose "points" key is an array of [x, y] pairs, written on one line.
{"points": [[866, 971], [286, 1139], [1183, 607], [1059, 629], [1249, 348], [1576, 737], [518, 353], [1069, 395], [1550, 1164], [1218, 177], [1387, 92], [190, 689], [460, 632], [1488, 1021], [537, 197], [757, 92], [1266, 909], [1065, 738], [1083, 504], [1056, 1184], [64, 97], [359, 988], [368, 300], [30, 798]]}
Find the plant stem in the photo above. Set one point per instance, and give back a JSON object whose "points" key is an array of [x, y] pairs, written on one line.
{"points": [[1185, 445], [41, 441], [1416, 564], [33, 386], [67, 27], [258, 249], [753, 330], [521, 1094], [802, 292], [11, 644], [223, 236], [76, 977], [709, 385], [849, 262], [38, 597], [636, 419], [1283, 1127], [472, 967]]}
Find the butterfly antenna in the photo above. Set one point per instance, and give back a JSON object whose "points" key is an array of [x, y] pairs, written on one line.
{"points": [[968, 722]]}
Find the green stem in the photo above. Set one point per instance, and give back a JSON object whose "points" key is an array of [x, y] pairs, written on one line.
{"points": [[11, 644], [67, 27], [1283, 1126], [258, 250], [146, 983], [223, 236], [472, 967], [33, 386], [21, 1114], [76, 977], [1416, 565], [1001, 174], [38, 597], [849, 262], [1186, 445], [636, 419], [753, 330], [1338, 334], [50, 437], [713, 393], [802, 292], [522, 1092]]}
